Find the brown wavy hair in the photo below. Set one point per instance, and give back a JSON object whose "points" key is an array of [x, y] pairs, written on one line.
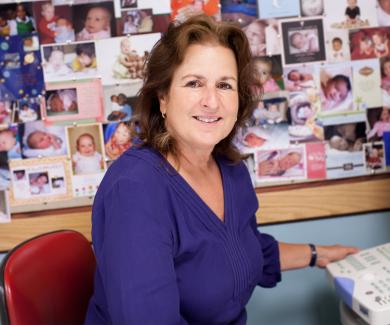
{"points": [[166, 56]]}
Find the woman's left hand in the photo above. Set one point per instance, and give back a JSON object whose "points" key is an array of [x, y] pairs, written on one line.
{"points": [[334, 253]]}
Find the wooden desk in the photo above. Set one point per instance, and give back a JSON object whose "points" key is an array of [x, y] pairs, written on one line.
{"points": [[278, 204]]}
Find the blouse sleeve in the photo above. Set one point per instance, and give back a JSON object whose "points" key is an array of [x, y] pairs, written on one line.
{"points": [[136, 257], [271, 270]]}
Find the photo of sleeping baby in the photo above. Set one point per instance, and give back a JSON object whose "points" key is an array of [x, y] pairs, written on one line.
{"points": [[28, 110], [135, 21], [40, 140], [69, 61], [61, 102], [312, 8], [94, 21], [336, 88], [303, 41], [378, 122], [374, 154], [9, 142], [299, 78], [117, 139], [281, 164], [54, 23], [346, 137], [369, 43], [86, 149]]}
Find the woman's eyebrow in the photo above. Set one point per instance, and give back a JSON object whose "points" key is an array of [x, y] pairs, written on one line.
{"points": [[197, 76]]}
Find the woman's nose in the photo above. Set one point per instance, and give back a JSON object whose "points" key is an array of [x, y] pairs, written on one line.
{"points": [[209, 98]]}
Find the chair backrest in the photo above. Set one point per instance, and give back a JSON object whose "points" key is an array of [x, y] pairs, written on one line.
{"points": [[47, 280]]}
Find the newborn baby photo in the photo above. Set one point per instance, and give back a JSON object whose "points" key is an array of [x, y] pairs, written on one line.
{"points": [[61, 102], [40, 140]]}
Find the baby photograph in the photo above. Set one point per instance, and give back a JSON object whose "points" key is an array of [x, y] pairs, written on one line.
{"points": [[366, 84], [39, 183], [10, 142], [40, 140], [60, 102], [303, 41], [268, 72], [374, 156], [17, 19], [369, 43], [54, 23], [128, 4], [350, 14], [28, 110], [336, 88], [302, 116], [241, 12], [86, 149], [252, 137], [117, 139], [378, 122], [121, 59], [383, 12], [312, 8], [344, 149], [94, 21], [118, 106], [263, 37], [135, 22], [278, 8], [5, 215], [69, 61], [281, 164], [337, 46], [299, 78], [271, 110]]}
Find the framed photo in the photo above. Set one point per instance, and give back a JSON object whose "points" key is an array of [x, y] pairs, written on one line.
{"points": [[303, 41]]}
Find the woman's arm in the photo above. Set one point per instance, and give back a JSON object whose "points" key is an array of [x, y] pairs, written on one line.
{"points": [[297, 256]]}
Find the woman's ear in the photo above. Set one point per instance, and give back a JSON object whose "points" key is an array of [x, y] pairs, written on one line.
{"points": [[163, 100]]}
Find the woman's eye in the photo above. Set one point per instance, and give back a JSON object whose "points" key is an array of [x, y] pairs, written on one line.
{"points": [[193, 84], [224, 85]]}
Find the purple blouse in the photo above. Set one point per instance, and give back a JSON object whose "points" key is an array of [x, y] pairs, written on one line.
{"points": [[164, 257]]}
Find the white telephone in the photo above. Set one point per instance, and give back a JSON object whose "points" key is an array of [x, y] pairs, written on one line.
{"points": [[362, 281]]}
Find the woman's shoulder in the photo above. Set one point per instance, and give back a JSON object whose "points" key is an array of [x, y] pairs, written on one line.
{"points": [[141, 165]]}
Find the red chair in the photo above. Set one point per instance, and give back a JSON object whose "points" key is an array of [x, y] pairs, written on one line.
{"points": [[47, 280]]}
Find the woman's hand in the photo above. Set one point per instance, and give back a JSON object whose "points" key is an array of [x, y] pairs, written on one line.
{"points": [[334, 253]]}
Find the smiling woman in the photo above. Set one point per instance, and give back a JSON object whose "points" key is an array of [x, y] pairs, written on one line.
{"points": [[173, 222]]}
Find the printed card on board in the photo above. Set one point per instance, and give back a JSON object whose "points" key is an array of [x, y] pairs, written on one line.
{"points": [[281, 164], [81, 100], [40, 180]]}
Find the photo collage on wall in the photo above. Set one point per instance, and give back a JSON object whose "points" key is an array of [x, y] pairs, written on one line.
{"points": [[71, 71]]}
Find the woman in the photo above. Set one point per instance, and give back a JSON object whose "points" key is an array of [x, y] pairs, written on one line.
{"points": [[174, 226]]}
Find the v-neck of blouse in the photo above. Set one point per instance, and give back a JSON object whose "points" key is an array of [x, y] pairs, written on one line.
{"points": [[210, 215]]}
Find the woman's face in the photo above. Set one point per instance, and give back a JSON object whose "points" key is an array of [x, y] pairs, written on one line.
{"points": [[202, 103]]}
